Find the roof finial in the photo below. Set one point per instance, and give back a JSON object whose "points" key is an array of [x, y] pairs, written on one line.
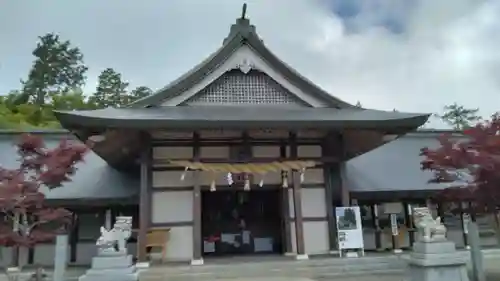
{"points": [[244, 11]]}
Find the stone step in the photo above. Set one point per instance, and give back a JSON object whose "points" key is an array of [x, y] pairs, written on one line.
{"points": [[310, 268]]}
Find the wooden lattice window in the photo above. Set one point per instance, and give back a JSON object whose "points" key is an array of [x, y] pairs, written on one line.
{"points": [[253, 88]]}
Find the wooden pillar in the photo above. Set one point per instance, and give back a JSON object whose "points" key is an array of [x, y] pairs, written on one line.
{"points": [[299, 220], [328, 149], [440, 210], [197, 237], [472, 211], [145, 199], [345, 191], [376, 225], [285, 212], [74, 238], [31, 255], [409, 223], [15, 256], [297, 202], [396, 247], [464, 224], [108, 219]]}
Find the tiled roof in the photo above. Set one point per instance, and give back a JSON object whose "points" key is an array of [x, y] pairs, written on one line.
{"points": [[94, 180]]}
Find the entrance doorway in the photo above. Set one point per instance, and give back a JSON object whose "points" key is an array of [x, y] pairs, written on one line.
{"points": [[236, 222]]}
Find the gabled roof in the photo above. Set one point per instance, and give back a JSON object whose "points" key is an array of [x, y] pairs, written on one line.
{"points": [[242, 33], [161, 109], [393, 167]]}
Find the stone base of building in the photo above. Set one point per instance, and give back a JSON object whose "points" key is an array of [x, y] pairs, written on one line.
{"points": [[302, 257], [197, 262]]}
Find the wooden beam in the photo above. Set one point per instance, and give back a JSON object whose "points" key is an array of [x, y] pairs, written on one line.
{"points": [[145, 199], [319, 160], [197, 235]]}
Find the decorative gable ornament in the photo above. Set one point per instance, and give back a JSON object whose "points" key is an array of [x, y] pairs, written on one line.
{"points": [[245, 65]]}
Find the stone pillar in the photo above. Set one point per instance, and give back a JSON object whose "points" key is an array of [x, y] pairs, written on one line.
{"points": [[61, 257], [476, 255]]}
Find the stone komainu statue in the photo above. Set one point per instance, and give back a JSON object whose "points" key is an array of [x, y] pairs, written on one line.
{"points": [[116, 237], [429, 229]]}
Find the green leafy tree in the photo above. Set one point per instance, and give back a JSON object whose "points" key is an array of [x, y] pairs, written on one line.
{"points": [[10, 99], [22, 116], [459, 117], [58, 67], [70, 100], [16, 119], [139, 93], [111, 90]]}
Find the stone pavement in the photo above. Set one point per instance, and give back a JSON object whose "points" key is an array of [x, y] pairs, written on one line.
{"points": [[492, 268], [491, 264]]}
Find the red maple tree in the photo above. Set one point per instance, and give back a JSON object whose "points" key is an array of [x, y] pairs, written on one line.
{"points": [[470, 165], [27, 220]]}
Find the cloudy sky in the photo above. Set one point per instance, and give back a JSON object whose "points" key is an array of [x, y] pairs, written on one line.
{"points": [[412, 55]]}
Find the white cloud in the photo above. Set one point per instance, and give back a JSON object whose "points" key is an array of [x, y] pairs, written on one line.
{"points": [[447, 52]]}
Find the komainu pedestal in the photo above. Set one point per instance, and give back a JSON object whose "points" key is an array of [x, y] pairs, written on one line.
{"points": [[434, 258], [436, 261], [112, 262]]}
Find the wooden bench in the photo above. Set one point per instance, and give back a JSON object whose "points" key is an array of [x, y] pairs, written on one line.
{"points": [[158, 238]]}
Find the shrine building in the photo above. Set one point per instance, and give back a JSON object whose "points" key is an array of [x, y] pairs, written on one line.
{"points": [[241, 155]]}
